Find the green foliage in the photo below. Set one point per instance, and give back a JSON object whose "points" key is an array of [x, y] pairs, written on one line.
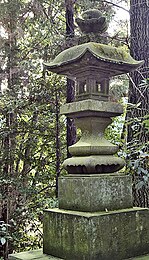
{"points": [[4, 233], [137, 153], [115, 130], [28, 114], [30, 100], [138, 147], [26, 190]]}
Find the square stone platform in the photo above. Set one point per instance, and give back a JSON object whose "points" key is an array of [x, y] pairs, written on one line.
{"points": [[93, 193], [38, 255], [113, 235]]}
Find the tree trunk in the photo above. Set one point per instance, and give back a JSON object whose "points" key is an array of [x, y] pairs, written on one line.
{"points": [[9, 141], [71, 129], [139, 46], [139, 94], [69, 18], [57, 97]]}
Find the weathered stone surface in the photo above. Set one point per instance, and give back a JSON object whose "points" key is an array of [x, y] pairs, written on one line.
{"points": [[104, 59], [37, 254], [32, 255], [92, 21], [92, 153], [93, 164], [92, 141], [145, 257], [95, 193], [89, 107], [92, 236], [96, 233]]}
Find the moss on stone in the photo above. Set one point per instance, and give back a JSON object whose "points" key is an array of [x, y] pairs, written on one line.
{"points": [[91, 13], [100, 51], [112, 235], [92, 194]]}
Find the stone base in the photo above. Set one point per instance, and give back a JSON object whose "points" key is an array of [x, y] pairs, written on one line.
{"points": [[37, 254], [32, 255], [114, 235], [95, 193]]}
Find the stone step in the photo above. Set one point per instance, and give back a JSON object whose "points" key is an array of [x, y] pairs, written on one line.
{"points": [[145, 257], [38, 255], [32, 255]]}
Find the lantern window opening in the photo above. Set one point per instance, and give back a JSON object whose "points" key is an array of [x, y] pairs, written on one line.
{"points": [[98, 87], [82, 86], [85, 88]]}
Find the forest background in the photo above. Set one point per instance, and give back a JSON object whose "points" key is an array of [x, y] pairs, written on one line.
{"points": [[33, 140]]}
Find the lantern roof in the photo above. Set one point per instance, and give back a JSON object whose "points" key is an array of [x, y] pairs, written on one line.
{"points": [[114, 61], [92, 21]]}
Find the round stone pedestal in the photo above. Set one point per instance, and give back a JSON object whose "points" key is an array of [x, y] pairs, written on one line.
{"points": [[92, 154]]}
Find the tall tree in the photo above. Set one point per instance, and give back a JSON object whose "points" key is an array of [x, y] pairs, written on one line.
{"points": [[29, 110], [139, 89], [139, 47], [9, 142], [71, 129]]}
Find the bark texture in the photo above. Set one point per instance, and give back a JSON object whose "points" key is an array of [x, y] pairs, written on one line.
{"points": [[139, 28], [71, 129], [58, 155], [139, 94]]}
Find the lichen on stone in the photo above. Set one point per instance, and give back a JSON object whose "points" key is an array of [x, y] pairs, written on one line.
{"points": [[100, 51], [92, 21]]}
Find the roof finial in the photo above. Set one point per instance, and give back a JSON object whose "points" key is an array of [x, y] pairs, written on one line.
{"points": [[92, 21]]}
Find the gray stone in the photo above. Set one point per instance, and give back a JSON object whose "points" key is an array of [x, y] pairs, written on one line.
{"points": [[32, 255], [92, 141], [92, 117], [37, 254], [113, 235], [93, 164], [97, 233], [92, 21], [95, 193], [100, 59], [91, 107], [145, 257]]}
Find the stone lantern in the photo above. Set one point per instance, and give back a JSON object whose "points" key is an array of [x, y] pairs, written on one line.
{"points": [[91, 65], [95, 214]]}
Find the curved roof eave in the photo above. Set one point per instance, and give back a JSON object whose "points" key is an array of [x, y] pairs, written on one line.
{"points": [[100, 51]]}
